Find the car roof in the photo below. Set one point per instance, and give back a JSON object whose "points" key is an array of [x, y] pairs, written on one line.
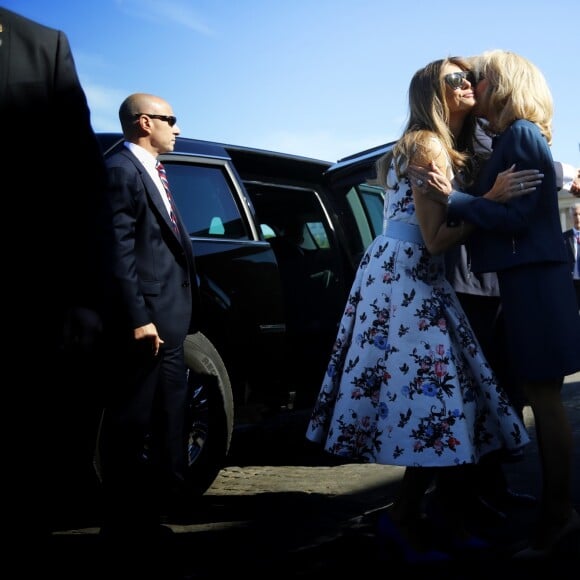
{"points": [[110, 141], [186, 145], [357, 167], [253, 161]]}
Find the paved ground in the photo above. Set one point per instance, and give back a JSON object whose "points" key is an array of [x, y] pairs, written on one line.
{"points": [[309, 518]]}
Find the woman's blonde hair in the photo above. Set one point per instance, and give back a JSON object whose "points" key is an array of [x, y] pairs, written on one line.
{"points": [[517, 89], [429, 117]]}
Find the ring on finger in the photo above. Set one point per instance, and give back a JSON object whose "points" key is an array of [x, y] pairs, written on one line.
{"points": [[521, 186]]}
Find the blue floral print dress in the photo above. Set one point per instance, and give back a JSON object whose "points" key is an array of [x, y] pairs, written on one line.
{"points": [[407, 383]]}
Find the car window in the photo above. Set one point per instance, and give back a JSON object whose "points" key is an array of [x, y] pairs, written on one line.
{"points": [[373, 199], [206, 201], [366, 203], [315, 236], [291, 212], [306, 248]]}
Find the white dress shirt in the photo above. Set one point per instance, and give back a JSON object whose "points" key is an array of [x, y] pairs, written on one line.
{"points": [[149, 161]]}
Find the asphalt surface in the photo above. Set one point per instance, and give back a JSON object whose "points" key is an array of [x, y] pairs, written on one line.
{"points": [[290, 512]]}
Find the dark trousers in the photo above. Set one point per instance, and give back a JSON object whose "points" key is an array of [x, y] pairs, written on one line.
{"points": [[485, 316], [142, 442]]}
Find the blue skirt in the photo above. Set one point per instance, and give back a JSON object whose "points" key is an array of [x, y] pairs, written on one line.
{"points": [[542, 320]]}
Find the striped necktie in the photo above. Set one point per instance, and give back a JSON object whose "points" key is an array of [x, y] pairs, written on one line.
{"points": [[163, 177]]}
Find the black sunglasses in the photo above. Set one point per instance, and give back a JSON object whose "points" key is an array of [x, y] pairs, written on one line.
{"points": [[455, 80], [169, 119]]}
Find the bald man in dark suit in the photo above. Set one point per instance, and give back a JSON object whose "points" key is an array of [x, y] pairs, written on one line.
{"points": [[154, 305]]}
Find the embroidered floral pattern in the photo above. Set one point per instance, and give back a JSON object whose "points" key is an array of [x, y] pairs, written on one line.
{"points": [[407, 383]]}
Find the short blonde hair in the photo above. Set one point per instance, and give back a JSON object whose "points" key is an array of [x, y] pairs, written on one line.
{"points": [[517, 89]]}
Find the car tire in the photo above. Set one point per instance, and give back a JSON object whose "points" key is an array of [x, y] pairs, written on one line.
{"points": [[210, 415]]}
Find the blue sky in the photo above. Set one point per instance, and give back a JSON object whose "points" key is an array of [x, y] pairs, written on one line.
{"points": [[321, 78]]}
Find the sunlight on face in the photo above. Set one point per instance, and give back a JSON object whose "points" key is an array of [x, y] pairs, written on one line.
{"points": [[461, 98]]}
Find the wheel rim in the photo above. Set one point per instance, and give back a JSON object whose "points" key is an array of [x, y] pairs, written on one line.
{"points": [[198, 416]]}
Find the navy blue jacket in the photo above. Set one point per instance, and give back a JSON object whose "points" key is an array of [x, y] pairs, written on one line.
{"points": [[154, 278], [525, 230]]}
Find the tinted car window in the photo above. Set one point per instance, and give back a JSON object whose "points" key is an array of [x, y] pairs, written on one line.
{"points": [[206, 201], [373, 199]]}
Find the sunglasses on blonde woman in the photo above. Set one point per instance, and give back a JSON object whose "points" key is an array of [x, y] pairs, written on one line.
{"points": [[456, 80]]}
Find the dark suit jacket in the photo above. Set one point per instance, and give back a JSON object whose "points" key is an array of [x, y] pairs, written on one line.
{"points": [[52, 179], [570, 241], [52, 175], [153, 268], [525, 230]]}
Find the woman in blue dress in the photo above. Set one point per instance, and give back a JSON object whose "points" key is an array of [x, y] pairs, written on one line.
{"points": [[522, 241], [407, 383]]}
